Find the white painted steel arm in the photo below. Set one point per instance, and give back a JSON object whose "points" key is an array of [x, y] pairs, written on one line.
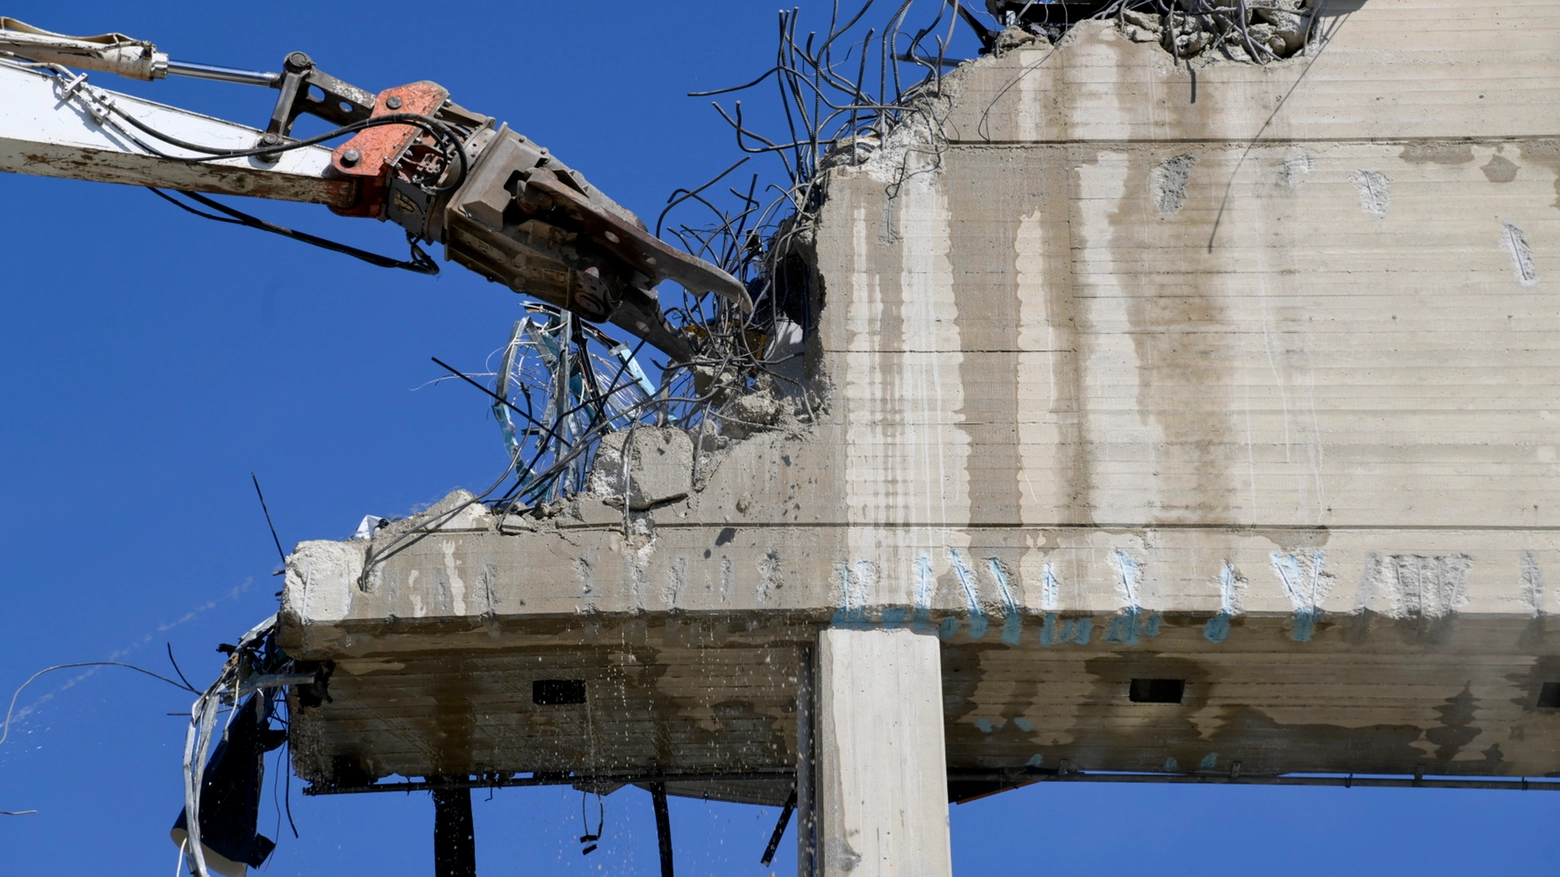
{"points": [[107, 53], [58, 126]]}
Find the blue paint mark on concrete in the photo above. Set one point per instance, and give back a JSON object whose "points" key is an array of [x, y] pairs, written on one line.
{"points": [[1012, 630], [1035, 760], [1124, 627], [896, 616], [1048, 630], [971, 594], [853, 611], [1209, 762], [923, 591], [1217, 630], [948, 628], [1131, 577], [984, 725], [1171, 765], [977, 626], [1013, 623], [1078, 631], [1067, 631], [1304, 625], [1306, 596], [1050, 589], [999, 574], [1024, 724]]}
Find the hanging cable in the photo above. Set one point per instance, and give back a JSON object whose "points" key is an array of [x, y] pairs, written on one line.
{"points": [[419, 263], [5, 729]]}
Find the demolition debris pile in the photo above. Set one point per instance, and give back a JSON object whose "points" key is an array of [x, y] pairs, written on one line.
{"points": [[1239, 30]]}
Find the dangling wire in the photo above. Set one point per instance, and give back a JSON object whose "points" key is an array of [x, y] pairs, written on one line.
{"points": [[590, 838], [419, 263]]}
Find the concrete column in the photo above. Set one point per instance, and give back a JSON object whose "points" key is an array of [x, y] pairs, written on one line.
{"points": [[882, 780], [806, 762], [454, 837]]}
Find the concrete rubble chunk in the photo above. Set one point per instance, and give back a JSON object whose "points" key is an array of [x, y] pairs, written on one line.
{"points": [[1141, 19], [457, 511], [514, 524], [1290, 27], [1013, 37], [658, 467]]}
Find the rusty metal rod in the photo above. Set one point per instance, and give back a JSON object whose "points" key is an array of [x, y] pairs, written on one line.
{"points": [[663, 826], [774, 839]]}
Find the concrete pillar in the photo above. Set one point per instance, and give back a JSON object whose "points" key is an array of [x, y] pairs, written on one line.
{"points": [[806, 762], [454, 835], [882, 780]]}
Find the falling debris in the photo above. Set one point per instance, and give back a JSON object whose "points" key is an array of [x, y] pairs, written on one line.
{"points": [[230, 790], [224, 771], [368, 526]]}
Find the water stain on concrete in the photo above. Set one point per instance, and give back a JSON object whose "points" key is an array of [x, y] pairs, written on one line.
{"points": [[1500, 169]]}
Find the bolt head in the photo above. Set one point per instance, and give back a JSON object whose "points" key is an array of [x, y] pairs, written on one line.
{"points": [[270, 139], [298, 61], [393, 102], [351, 157]]}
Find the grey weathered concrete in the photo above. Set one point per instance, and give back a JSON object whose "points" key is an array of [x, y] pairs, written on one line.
{"points": [[1256, 392], [884, 792]]}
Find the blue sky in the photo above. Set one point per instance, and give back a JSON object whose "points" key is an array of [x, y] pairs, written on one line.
{"points": [[152, 360]]}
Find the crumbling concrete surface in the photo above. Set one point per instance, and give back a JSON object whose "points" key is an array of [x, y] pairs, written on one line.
{"points": [[643, 467], [1240, 377]]}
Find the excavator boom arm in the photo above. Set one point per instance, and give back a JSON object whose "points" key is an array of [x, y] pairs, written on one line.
{"points": [[56, 125], [501, 205]]}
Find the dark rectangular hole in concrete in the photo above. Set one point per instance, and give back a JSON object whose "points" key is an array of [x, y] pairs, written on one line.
{"points": [[557, 692], [1157, 690], [1549, 696]]}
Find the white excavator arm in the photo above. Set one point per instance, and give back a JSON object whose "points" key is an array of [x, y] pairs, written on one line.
{"points": [[501, 205], [54, 124]]}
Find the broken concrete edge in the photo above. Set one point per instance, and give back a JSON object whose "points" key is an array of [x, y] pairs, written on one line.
{"points": [[1132, 631], [328, 599]]}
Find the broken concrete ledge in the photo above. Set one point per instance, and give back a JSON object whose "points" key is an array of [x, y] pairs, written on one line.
{"points": [[466, 572]]}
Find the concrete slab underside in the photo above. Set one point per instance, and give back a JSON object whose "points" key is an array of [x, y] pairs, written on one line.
{"points": [[1256, 393]]}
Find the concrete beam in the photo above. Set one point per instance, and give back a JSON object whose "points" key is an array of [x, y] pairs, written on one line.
{"points": [[882, 781]]}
